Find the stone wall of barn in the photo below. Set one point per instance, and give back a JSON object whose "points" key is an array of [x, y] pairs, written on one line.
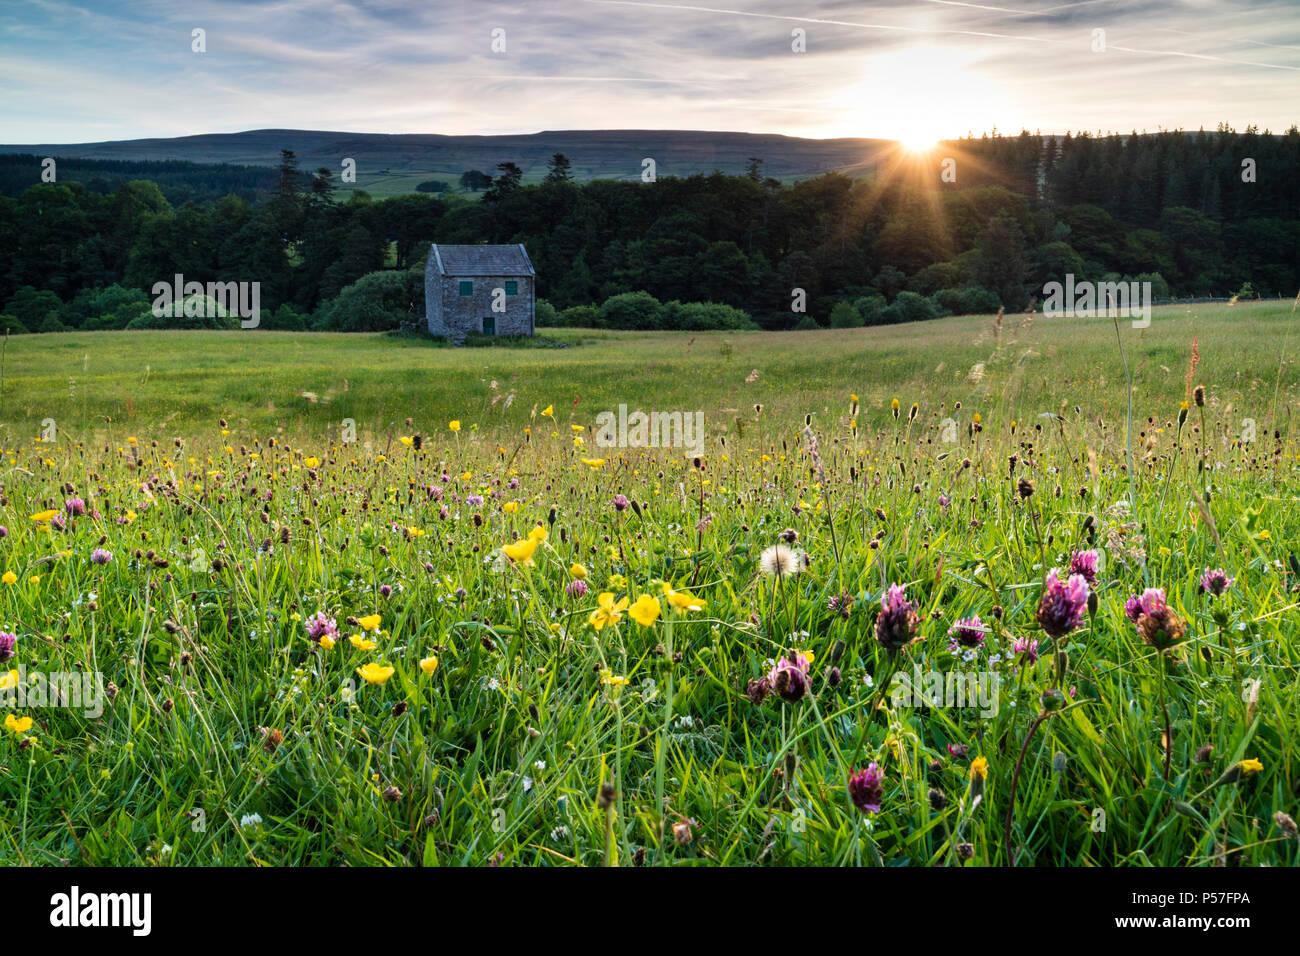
{"points": [[456, 315], [433, 313]]}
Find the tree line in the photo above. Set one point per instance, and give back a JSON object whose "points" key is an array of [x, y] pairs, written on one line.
{"points": [[1197, 214]]}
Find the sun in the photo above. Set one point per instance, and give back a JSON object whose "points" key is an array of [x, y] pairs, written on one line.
{"points": [[920, 95], [918, 141]]}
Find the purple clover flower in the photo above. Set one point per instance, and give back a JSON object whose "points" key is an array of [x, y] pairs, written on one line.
{"points": [[866, 789], [897, 621], [968, 633], [1085, 563], [1063, 604], [1215, 581]]}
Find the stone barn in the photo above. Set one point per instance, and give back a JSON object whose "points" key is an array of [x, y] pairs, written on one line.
{"points": [[481, 289]]}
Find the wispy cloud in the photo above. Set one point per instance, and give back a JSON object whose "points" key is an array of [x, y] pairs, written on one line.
{"points": [[78, 70]]}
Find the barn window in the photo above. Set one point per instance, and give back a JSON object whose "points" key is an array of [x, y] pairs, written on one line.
{"points": [[512, 288], [467, 288]]}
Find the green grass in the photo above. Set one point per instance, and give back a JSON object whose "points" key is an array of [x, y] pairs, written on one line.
{"points": [[165, 382], [224, 709]]}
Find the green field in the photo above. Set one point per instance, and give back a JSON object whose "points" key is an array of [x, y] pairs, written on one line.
{"points": [[160, 383], [544, 651]]}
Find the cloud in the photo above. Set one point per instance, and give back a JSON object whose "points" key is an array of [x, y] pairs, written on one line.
{"points": [[97, 69]]}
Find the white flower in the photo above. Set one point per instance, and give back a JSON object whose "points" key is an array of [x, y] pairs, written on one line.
{"points": [[250, 820], [540, 764], [781, 561]]}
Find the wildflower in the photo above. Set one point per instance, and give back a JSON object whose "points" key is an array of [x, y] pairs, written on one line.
{"points": [[1251, 765], [620, 502], [577, 571], [250, 820], [75, 507], [7, 642], [645, 611], [593, 463], [607, 612], [968, 633], [684, 600], [1085, 563], [781, 561], [979, 767], [101, 556], [866, 789], [44, 517], [841, 604], [1286, 824], [576, 588], [897, 621], [789, 676], [327, 642], [19, 725], [1027, 649], [429, 665], [454, 425], [1063, 604], [1156, 622], [321, 625], [521, 552], [9, 578], [1215, 581], [362, 643], [385, 590], [369, 623], [510, 507], [373, 673], [538, 533], [607, 676], [758, 689], [549, 411]]}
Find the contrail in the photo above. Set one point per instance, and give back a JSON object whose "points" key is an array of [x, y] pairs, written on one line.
{"points": [[970, 33], [833, 23]]}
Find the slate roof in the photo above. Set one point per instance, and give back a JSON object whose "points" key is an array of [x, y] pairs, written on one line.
{"points": [[482, 260]]}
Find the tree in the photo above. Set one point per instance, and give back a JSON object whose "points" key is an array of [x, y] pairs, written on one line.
{"points": [[505, 184], [559, 170], [472, 180], [632, 310], [377, 302], [845, 316], [1000, 264]]}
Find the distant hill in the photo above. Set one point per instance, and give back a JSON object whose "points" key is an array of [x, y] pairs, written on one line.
{"points": [[396, 163]]}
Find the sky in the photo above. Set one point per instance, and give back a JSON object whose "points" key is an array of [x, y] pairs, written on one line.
{"points": [[86, 70]]}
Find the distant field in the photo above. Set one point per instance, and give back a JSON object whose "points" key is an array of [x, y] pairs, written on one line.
{"points": [[390, 165], [304, 383]]}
